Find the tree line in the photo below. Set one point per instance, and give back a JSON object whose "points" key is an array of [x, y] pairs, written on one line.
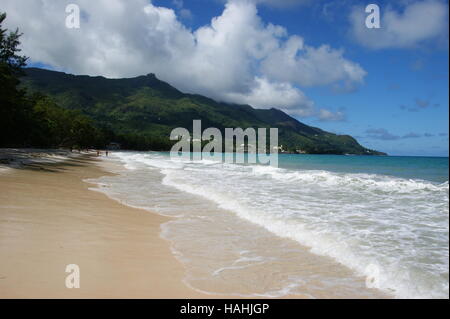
{"points": [[35, 120]]}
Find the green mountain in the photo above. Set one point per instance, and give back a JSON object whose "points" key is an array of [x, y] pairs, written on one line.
{"points": [[147, 107]]}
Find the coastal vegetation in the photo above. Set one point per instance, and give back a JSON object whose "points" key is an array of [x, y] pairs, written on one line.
{"points": [[33, 119]]}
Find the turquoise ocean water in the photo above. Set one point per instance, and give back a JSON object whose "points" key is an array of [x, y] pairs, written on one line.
{"points": [[434, 169]]}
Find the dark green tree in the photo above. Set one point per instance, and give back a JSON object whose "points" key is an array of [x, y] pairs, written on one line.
{"points": [[14, 111], [36, 120], [9, 48]]}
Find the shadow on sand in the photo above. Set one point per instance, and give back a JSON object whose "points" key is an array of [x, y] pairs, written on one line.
{"points": [[37, 160]]}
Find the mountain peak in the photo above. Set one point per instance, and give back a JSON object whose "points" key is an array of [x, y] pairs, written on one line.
{"points": [[148, 107]]}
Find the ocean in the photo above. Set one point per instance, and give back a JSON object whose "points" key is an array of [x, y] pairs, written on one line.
{"points": [[318, 226]]}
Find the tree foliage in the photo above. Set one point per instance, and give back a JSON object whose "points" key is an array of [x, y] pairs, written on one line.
{"points": [[34, 120]]}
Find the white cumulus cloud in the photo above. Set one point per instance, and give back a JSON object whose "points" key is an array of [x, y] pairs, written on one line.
{"points": [[418, 21], [237, 57], [309, 66], [279, 95], [326, 115]]}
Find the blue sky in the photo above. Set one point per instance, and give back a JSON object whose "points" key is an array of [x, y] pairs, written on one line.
{"points": [[394, 98], [399, 80]]}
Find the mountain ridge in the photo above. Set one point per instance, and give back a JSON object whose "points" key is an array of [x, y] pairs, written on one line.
{"points": [[147, 106]]}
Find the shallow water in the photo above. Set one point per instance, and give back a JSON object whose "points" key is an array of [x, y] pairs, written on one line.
{"points": [[318, 226]]}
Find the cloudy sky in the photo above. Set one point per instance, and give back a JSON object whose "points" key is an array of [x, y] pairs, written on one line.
{"points": [[314, 59]]}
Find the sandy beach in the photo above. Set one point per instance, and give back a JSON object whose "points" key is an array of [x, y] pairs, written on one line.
{"points": [[49, 219], [51, 216]]}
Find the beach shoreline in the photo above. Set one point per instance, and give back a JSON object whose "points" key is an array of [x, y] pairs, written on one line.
{"points": [[51, 219], [59, 208]]}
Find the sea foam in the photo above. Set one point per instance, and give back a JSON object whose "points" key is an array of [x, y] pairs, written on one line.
{"points": [[391, 230]]}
